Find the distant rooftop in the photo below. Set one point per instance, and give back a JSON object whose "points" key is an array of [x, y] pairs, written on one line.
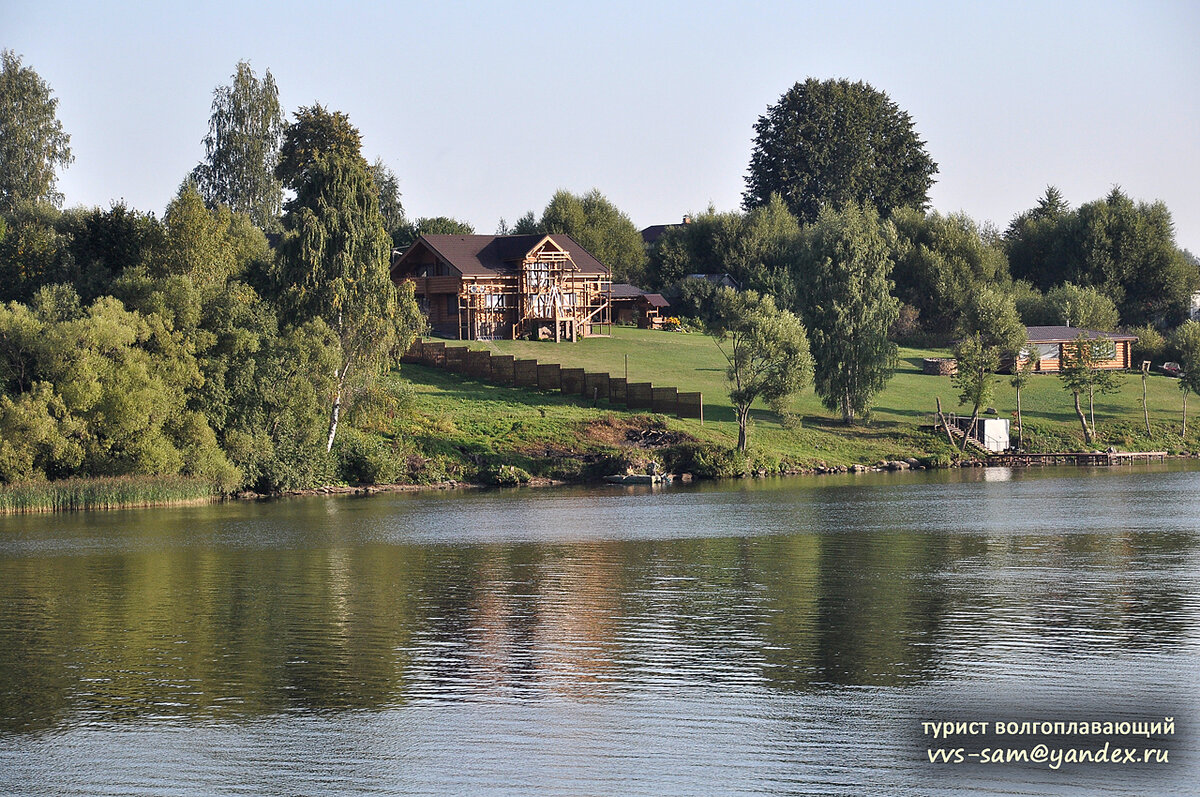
{"points": [[654, 232], [1068, 334]]}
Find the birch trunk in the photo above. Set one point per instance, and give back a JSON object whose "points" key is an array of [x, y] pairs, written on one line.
{"points": [[1087, 432]]}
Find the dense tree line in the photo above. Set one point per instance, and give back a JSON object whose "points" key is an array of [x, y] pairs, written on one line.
{"points": [[190, 345], [230, 338]]}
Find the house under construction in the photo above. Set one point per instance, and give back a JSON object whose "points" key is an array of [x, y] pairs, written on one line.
{"points": [[492, 287]]}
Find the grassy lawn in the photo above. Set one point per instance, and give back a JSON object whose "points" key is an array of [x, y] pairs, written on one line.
{"points": [[507, 419]]}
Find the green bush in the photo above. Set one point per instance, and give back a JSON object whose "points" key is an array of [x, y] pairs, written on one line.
{"points": [[504, 476], [705, 461], [1150, 345], [364, 458], [935, 461]]}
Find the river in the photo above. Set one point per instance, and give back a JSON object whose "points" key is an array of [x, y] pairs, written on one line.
{"points": [[770, 637]]}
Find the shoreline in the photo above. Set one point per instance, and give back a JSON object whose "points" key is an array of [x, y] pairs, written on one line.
{"points": [[883, 466]]}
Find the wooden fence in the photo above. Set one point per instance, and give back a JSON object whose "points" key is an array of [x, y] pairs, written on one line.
{"points": [[504, 369]]}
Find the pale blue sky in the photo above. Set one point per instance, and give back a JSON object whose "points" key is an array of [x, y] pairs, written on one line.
{"points": [[483, 110]]}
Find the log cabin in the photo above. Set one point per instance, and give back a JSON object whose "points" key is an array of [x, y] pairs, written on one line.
{"points": [[1049, 342], [632, 305], [496, 287]]}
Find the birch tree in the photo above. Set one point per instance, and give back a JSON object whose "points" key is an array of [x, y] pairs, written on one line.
{"points": [[333, 260]]}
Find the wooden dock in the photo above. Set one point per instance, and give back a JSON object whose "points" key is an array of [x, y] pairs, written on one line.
{"points": [[1077, 458]]}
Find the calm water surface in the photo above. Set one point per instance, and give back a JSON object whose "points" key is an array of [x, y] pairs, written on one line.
{"points": [[775, 637]]}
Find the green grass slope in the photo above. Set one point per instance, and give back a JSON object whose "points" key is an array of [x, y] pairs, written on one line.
{"points": [[479, 420]]}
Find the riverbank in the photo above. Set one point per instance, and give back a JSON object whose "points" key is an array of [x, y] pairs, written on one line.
{"points": [[441, 430]]}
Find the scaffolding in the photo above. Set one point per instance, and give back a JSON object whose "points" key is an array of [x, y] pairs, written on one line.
{"points": [[555, 295], [485, 310], [547, 297]]}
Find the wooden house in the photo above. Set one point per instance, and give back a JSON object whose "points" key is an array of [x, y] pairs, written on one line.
{"points": [[632, 305], [1049, 342], [492, 287]]}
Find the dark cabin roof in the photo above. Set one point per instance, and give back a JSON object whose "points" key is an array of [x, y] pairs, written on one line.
{"points": [[491, 255], [654, 232], [717, 279], [623, 290], [1068, 334]]}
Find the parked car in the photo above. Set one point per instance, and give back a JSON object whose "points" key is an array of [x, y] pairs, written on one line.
{"points": [[1171, 369]]}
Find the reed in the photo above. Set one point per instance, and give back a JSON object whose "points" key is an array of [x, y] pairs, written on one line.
{"points": [[73, 495]]}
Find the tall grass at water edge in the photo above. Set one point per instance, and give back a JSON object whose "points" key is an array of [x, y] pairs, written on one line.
{"points": [[72, 495]]}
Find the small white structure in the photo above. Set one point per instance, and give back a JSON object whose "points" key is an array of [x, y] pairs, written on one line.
{"points": [[993, 433], [1194, 308]]}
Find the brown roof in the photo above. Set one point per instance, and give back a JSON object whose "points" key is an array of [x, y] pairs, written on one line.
{"points": [[1068, 334], [656, 300], [488, 255], [654, 232], [623, 290]]}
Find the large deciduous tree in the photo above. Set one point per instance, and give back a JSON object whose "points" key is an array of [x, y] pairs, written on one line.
{"points": [[844, 264], [766, 348], [410, 231], [601, 228], [242, 148], [755, 247], [32, 142], [334, 255], [940, 263], [1082, 307], [833, 142], [390, 207], [1122, 248]]}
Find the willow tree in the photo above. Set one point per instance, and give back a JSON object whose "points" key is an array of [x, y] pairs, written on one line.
{"points": [[993, 333], [845, 264], [334, 255], [1023, 370]]}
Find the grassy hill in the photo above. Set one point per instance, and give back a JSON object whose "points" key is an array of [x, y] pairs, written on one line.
{"points": [[453, 414]]}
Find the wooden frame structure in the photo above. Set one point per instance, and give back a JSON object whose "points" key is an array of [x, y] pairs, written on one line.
{"points": [[489, 287]]}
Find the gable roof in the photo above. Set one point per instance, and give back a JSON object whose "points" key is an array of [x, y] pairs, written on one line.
{"points": [[656, 300], [623, 290], [654, 232], [1068, 334], [492, 255]]}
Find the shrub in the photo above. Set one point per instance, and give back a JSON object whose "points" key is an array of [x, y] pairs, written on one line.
{"points": [[1150, 345], [363, 458], [705, 461], [504, 475]]}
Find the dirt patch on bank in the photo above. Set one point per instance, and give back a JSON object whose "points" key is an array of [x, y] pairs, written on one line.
{"points": [[634, 431]]}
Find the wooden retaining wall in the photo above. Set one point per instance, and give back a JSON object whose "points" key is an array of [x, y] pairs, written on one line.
{"points": [[572, 381], [505, 369], [502, 369], [596, 386], [549, 376], [525, 373]]}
